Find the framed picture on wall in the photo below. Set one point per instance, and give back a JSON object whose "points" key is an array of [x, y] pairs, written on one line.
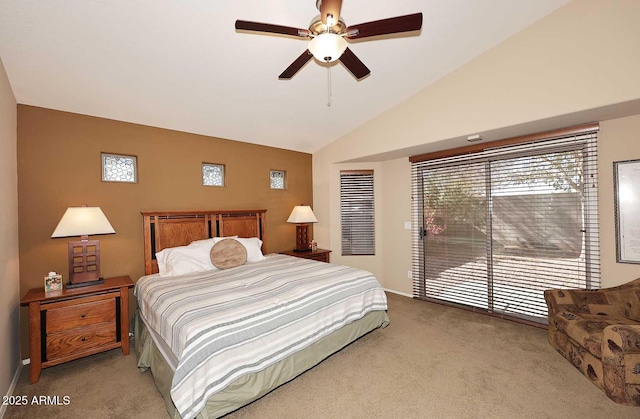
{"points": [[626, 179]]}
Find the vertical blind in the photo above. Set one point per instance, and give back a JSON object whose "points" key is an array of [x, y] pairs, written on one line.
{"points": [[357, 216], [499, 226]]}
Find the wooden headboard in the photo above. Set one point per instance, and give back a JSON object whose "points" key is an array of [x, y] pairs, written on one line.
{"points": [[164, 229]]}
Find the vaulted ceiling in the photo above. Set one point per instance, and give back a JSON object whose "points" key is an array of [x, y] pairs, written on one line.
{"points": [[181, 65]]}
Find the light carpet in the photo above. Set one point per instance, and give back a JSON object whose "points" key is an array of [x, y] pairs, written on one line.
{"points": [[431, 362]]}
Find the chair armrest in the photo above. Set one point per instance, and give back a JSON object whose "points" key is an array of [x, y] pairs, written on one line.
{"points": [[583, 301], [562, 300]]}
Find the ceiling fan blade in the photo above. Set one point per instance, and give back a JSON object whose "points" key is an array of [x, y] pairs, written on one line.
{"points": [[330, 7], [267, 27], [354, 65], [296, 66], [391, 25]]}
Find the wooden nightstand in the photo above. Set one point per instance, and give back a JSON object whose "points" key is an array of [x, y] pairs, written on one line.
{"points": [[321, 255], [73, 323]]}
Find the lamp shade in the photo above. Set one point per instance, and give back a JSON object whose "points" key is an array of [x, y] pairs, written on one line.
{"points": [[327, 47], [302, 214], [83, 221]]}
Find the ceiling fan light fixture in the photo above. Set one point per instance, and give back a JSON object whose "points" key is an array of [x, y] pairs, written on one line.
{"points": [[327, 47]]}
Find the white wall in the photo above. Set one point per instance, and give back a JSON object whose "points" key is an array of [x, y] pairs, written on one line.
{"points": [[619, 140], [396, 191], [9, 277], [581, 58]]}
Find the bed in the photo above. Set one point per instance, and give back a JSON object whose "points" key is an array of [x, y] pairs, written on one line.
{"points": [[216, 340]]}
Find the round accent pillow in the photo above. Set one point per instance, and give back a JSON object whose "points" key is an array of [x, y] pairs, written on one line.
{"points": [[228, 253]]}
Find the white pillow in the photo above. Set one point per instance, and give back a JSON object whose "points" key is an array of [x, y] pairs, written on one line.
{"points": [[205, 242], [160, 259], [209, 242], [253, 246], [185, 259], [196, 256]]}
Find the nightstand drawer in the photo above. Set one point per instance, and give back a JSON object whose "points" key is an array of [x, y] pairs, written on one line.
{"points": [[322, 257], [67, 343], [81, 315]]}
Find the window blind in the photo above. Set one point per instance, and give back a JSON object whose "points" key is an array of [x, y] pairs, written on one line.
{"points": [[499, 226], [357, 215]]}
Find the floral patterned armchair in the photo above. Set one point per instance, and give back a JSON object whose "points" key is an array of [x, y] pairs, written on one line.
{"points": [[598, 331]]}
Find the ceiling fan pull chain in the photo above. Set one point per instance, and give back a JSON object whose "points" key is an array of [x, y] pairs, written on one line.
{"points": [[328, 84]]}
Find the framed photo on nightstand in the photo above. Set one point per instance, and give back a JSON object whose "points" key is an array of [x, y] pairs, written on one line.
{"points": [[52, 282]]}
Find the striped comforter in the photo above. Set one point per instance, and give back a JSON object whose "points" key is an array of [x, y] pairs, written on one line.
{"points": [[222, 325]]}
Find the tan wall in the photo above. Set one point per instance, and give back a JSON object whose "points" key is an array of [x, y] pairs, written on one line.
{"points": [[579, 58], [59, 165], [9, 266]]}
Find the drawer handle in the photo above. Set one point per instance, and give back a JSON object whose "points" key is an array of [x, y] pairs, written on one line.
{"points": [[83, 316], [84, 339]]}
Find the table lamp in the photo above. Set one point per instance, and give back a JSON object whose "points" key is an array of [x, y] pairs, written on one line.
{"points": [[302, 215], [84, 254]]}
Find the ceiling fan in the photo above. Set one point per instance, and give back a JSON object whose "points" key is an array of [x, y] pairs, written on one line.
{"points": [[328, 33]]}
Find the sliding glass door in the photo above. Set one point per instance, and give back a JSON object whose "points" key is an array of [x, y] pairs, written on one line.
{"points": [[498, 230], [455, 234]]}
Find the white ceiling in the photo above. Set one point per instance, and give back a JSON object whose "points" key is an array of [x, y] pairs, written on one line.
{"points": [[181, 65]]}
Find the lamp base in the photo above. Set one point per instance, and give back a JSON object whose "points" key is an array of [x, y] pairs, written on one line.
{"points": [[302, 238], [84, 261], [84, 284]]}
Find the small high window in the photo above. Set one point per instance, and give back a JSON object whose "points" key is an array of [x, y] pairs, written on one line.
{"points": [[212, 174], [278, 178], [119, 168]]}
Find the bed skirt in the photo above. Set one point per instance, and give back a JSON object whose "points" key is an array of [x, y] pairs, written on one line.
{"points": [[251, 387]]}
